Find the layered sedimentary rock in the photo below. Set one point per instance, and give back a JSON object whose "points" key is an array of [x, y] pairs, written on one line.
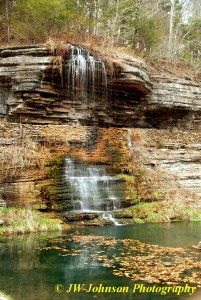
{"points": [[174, 102], [36, 99], [173, 157], [174, 152], [34, 88]]}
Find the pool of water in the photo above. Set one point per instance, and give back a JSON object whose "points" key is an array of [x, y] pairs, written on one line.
{"points": [[55, 266], [165, 234]]}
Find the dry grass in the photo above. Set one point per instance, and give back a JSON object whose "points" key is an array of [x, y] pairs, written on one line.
{"points": [[21, 221], [24, 154], [107, 53], [171, 70]]}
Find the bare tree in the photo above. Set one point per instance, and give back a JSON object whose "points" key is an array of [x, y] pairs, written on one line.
{"points": [[171, 29]]}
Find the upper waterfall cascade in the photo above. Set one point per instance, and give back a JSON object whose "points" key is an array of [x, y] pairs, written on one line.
{"points": [[84, 75]]}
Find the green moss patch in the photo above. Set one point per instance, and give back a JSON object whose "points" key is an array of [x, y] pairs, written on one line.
{"points": [[162, 212], [54, 168]]}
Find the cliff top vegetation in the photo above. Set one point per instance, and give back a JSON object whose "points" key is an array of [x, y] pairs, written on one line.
{"points": [[155, 29]]}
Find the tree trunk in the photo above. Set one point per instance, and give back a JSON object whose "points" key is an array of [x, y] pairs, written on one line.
{"points": [[171, 29], [7, 21]]}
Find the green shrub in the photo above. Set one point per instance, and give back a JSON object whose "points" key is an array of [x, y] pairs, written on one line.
{"points": [[138, 220], [152, 217], [37, 20]]}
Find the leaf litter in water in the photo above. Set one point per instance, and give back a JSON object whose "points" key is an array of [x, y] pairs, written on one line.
{"points": [[136, 260]]}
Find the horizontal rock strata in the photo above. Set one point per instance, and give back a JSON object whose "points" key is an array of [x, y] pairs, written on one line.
{"points": [[174, 152], [35, 104], [32, 90], [172, 156]]}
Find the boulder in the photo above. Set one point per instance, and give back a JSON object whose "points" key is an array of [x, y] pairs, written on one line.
{"points": [[78, 216]]}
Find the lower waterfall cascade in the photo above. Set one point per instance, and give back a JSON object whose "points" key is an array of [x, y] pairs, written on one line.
{"points": [[92, 190]]}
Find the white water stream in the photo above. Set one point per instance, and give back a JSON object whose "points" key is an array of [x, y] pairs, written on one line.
{"points": [[92, 190], [84, 74]]}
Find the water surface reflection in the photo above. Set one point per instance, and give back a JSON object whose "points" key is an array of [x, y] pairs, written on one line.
{"points": [[31, 266]]}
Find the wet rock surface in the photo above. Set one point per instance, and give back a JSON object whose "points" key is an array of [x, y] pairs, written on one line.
{"points": [[33, 90], [34, 102], [78, 216]]}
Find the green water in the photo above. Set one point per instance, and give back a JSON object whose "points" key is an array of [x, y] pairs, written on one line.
{"points": [[31, 266]]}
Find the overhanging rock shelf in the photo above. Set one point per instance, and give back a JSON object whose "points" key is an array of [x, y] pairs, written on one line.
{"points": [[40, 87]]}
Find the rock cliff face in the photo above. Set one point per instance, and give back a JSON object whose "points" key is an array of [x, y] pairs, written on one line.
{"points": [[33, 90], [35, 98], [175, 152], [175, 102], [173, 157]]}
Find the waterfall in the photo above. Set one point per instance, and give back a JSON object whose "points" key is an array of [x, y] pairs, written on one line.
{"points": [[84, 75], [91, 189], [107, 216]]}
